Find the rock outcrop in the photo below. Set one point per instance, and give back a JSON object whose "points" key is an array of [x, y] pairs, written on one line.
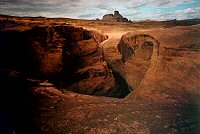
{"points": [[68, 56], [156, 64], [116, 17], [138, 53]]}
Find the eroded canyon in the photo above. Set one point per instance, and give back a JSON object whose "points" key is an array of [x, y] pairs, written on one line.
{"points": [[48, 65]]}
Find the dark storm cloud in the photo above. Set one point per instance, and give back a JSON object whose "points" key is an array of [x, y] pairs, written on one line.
{"points": [[86, 15], [90, 9], [34, 8]]}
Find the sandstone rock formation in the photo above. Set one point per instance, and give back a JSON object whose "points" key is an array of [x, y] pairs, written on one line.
{"points": [[116, 17], [161, 66], [149, 61], [137, 50], [69, 57]]}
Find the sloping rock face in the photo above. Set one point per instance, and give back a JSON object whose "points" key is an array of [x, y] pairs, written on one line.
{"points": [[176, 70], [98, 36], [116, 17], [138, 53], [138, 47], [65, 55], [39, 50], [160, 63]]}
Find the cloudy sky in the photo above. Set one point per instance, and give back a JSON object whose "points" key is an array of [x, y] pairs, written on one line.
{"points": [[92, 9]]}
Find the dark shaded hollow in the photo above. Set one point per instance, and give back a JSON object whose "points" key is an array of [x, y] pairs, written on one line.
{"points": [[38, 52], [124, 88]]}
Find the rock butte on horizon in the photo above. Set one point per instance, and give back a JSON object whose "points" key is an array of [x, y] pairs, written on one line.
{"points": [[116, 17]]}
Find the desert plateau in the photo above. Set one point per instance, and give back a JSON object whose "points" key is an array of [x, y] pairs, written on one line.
{"points": [[73, 76]]}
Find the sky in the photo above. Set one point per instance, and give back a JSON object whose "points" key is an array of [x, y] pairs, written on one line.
{"points": [[92, 9]]}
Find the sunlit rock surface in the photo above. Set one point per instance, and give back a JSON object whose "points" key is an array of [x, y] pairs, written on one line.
{"points": [[42, 60]]}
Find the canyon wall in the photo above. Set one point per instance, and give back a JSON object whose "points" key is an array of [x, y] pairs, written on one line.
{"points": [[68, 56]]}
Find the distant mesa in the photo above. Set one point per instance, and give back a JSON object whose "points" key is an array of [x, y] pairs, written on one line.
{"points": [[117, 17]]}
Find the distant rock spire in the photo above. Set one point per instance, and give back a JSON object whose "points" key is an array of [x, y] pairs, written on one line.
{"points": [[116, 17]]}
